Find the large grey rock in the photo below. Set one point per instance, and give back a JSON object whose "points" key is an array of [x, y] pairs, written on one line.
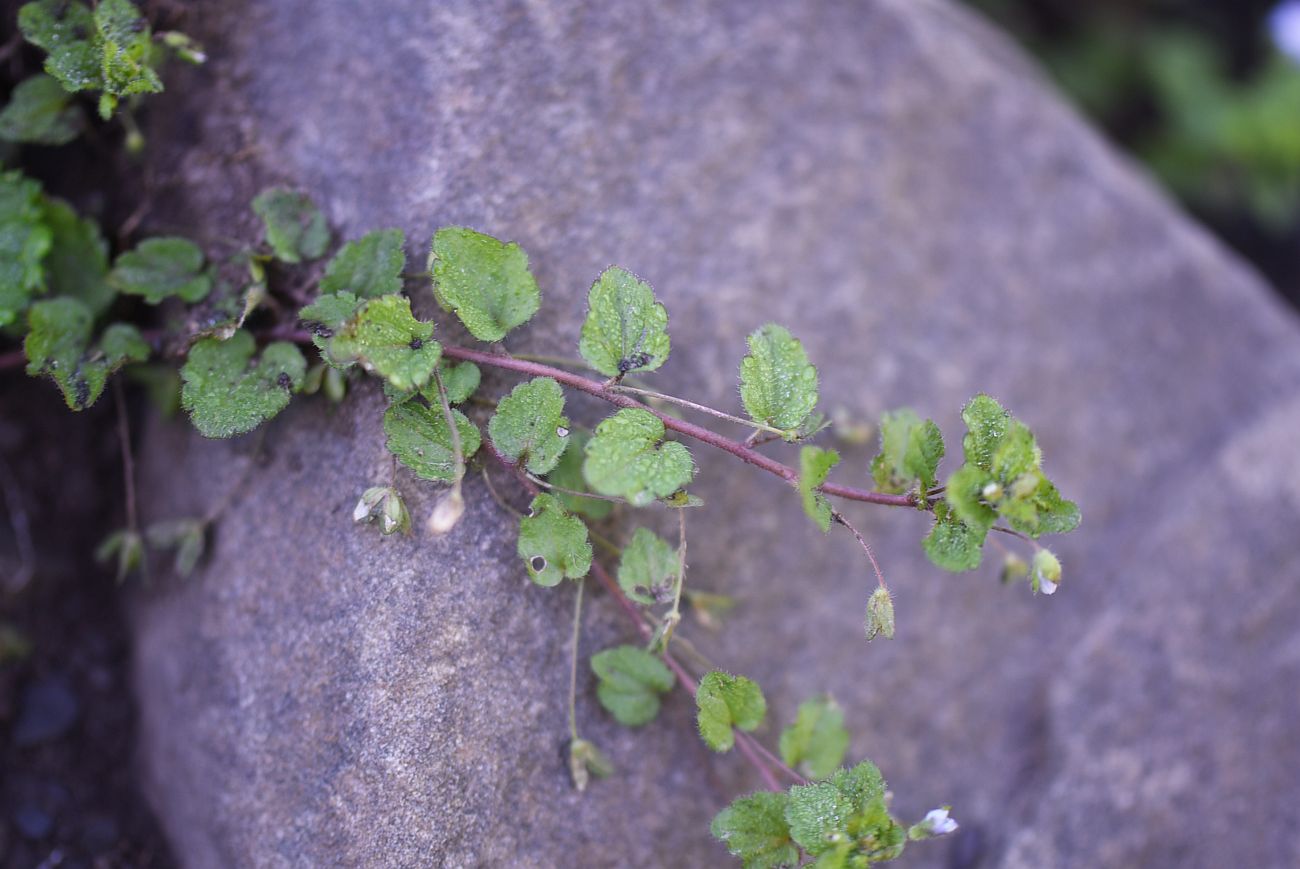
{"points": [[895, 184]]}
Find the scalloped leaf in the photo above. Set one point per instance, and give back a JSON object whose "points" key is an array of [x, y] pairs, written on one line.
{"points": [[24, 242], [815, 744], [40, 112], [626, 329], [648, 569], [483, 281], [369, 267], [725, 702], [382, 335], [294, 227], [778, 385], [69, 33], [553, 544], [754, 829], [421, 439], [910, 452], [58, 344], [630, 682], [160, 268], [530, 426], [77, 263], [820, 814], [629, 458], [227, 392], [815, 466]]}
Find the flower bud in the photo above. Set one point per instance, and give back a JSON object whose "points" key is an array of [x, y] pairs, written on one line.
{"points": [[586, 760], [880, 614], [936, 823], [1047, 572]]}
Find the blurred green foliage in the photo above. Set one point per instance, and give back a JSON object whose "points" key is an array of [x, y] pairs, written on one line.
{"points": [[1198, 92]]}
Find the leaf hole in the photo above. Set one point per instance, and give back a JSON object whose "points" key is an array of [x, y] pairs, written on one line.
{"points": [[537, 563]]}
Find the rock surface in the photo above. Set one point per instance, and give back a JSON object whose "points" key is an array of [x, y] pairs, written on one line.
{"points": [[896, 185]]}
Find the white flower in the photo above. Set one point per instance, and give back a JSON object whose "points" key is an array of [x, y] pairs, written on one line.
{"points": [[1045, 585], [937, 823]]}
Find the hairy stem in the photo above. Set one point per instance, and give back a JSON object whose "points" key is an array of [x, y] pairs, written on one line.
{"points": [[614, 396], [702, 408], [871, 556]]}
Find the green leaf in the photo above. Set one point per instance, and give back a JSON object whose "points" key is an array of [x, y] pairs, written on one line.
{"points": [[24, 241], [369, 267], [1003, 476], [77, 263], [778, 385], [459, 379], [629, 458], [724, 702], [648, 569], [816, 742], [58, 344], [485, 282], [952, 544], [552, 543], [986, 424], [421, 439], [40, 112], [294, 227], [186, 536], [630, 682], [126, 47], [754, 829], [568, 474], [819, 814], [327, 316], [388, 341], [159, 268], [530, 426], [626, 329], [69, 33], [910, 451], [815, 465], [227, 393]]}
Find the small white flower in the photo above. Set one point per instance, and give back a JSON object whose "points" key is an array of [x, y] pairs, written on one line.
{"points": [[938, 823], [1045, 585]]}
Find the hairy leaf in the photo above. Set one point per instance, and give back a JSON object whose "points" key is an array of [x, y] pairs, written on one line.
{"points": [[552, 543], [628, 457], [58, 344], [126, 50], [952, 544], [568, 474], [227, 393], [485, 282], [369, 267], [24, 241], [381, 334], [910, 451], [724, 702], [816, 742], [40, 112], [159, 268], [77, 263], [819, 814], [754, 829], [778, 385], [986, 424], [630, 682], [626, 329], [815, 465], [649, 568], [421, 439], [530, 426], [459, 379], [294, 227], [69, 32]]}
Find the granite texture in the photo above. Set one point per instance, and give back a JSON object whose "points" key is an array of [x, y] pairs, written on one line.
{"points": [[893, 182]]}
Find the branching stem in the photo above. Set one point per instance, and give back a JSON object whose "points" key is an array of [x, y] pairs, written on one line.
{"points": [[689, 429]]}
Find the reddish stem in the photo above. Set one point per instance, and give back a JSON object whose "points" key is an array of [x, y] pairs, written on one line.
{"points": [[699, 433]]}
